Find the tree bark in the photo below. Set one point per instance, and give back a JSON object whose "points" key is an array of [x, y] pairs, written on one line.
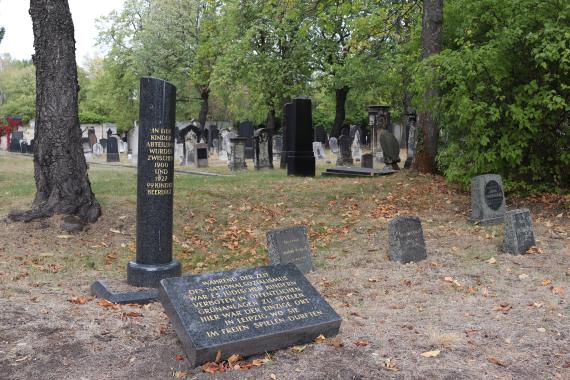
{"points": [[427, 128], [60, 170], [204, 107], [340, 113]]}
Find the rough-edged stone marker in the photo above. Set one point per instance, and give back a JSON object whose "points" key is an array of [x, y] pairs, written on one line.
{"points": [[263, 149], [320, 134], [519, 234], [345, 156], [290, 245], [487, 199], [155, 185], [367, 161], [318, 150], [113, 149], [333, 143], [245, 311], [236, 158], [246, 130], [406, 239], [390, 149], [299, 129], [201, 155], [410, 139]]}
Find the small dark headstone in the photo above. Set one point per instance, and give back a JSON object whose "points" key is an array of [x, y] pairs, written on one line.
{"points": [[155, 185], [113, 149], [487, 199], [406, 239], [103, 143], [15, 145], [201, 155], [246, 131], [320, 134], [367, 160], [245, 312], [290, 245], [519, 234]]}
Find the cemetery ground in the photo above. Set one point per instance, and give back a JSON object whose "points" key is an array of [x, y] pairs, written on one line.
{"points": [[467, 311]]}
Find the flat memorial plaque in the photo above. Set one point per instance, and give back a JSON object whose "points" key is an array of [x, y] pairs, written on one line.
{"points": [[290, 245], [245, 311]]}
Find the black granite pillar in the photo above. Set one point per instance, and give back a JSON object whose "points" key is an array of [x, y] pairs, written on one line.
{"points": [[300, 156], [155, 185]]}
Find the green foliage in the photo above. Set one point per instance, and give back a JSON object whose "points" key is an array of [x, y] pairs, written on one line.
{"points": [[89, 117], [17, 88], [504, 88]]}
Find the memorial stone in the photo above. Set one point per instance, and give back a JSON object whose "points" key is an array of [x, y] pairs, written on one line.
{"points": [[155, 185], [411, 139], [263, 149], [113, 149], [290, 245], [487, 199], [245, 312], [320, 134], [390, 149], [367, 161], [356, 150], [224, 144], [318, 150], [406, 239], [236, 155], [103, 143], [277, 146], [201, 155], [345, 156], [299, 129], [333, 143], [519, 234], [98, 150], [246, 131]]}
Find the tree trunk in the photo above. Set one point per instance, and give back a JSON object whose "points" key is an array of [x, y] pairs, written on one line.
{"points": [[270, 122], [204, 95], [60, 170], [340, 114], [427, 128]]}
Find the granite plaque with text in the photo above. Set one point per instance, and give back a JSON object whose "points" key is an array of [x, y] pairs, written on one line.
{"points": [[406, 239], [245, 311], [290, 245]]}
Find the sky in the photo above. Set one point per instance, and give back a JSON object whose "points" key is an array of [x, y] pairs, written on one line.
{"points": [[19, 38]]}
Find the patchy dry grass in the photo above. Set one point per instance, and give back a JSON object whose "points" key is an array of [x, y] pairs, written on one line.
{"points": [[501, 318]]}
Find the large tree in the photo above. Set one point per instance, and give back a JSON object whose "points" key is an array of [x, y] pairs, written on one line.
{"points": [[60, 170], [428, 130]]}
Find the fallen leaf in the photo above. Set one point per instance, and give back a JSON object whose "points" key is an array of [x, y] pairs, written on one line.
{"points": [[336, 342], [218, 356], [503, 307], [372, 280], [179, 357], [541, 329], [431, 354], [320, 339], [448, 279], [180, 374], [298, 349], [108, 304], [523, 276], [497, 362], [81, 300], [534, 250], [273, 376], [132, 314], [546, 282], [492, 260], [558, 290], [114, 231], [64, 236], [361, 342], [390, 365], [232, 360]]}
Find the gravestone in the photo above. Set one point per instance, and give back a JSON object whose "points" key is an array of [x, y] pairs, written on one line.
{"points": [[113, 149], [236, 156], [189, 144], [410, 139], [92, 137], [24, 147], [519, 234], [224, 144], [155, 186], [215, 146], [299, 129], [318, 150], [320, 134], [290, 245], [277, 146], [390, 149], [201, 155], [406, 239], [98, 150], [245, 312], [487, 199], [333, 143], [355, 149], [246, 131], [345, 156], [103, 143], [15, 144], [367, 161], [263, 149], [133, 141], [179, 152]]}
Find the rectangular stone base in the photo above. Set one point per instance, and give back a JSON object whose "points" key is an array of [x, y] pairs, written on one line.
{"points": [[301, 164], [133, 294]]}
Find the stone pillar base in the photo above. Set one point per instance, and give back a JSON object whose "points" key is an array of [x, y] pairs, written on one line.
{"points": [[149, 275]]}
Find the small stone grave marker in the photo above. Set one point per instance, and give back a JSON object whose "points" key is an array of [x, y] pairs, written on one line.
{"points": [[290, 245], [245, 311], [406, 239], [519, 234], [487, 199]]}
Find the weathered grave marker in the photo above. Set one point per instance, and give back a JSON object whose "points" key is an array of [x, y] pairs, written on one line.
{"points": [[290, 245], [112, 149], [236, 159], [406, 239], [487, 199], [201, 155], [263, 149], [345, 157], [519, 234], [245, 311], [299, 134]]}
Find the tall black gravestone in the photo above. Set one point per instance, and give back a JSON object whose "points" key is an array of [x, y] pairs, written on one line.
{"points": [[112, 149], [155, 185], [300, 157], [246, 130]]}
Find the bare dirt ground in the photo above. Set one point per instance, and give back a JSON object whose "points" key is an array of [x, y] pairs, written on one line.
{"points": [[490, 315]]}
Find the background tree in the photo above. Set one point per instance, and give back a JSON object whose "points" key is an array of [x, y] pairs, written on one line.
{"points": [[17, 88], [2, 31], [62, 183], [427, 134]]}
